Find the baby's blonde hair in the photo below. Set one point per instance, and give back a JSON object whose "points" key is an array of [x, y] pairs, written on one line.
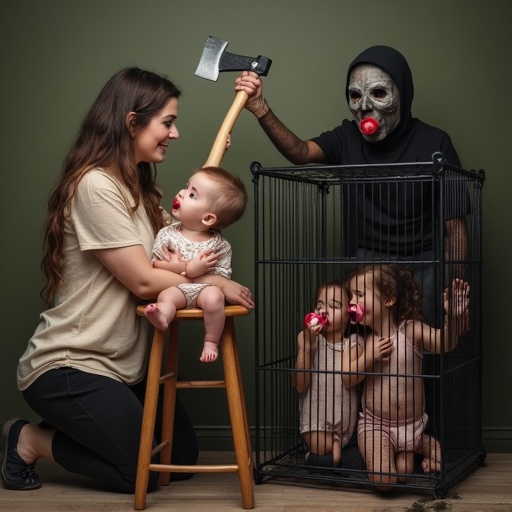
{"points": [[229, 201]]}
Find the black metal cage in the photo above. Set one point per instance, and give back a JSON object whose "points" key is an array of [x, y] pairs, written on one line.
{"points": [[317, 223]]}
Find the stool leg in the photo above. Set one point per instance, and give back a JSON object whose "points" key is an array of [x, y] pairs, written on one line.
{"points": [[148, 419], [242, 398], [234, 391], [169, 402]]}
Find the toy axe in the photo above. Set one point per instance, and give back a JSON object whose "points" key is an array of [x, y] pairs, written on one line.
{"points": [[215, 60]]}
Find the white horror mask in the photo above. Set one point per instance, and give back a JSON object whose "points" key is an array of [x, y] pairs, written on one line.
{"points": [[373, 95]]}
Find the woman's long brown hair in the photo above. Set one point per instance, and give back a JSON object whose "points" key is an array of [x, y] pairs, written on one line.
{"points": [[103, 139]]}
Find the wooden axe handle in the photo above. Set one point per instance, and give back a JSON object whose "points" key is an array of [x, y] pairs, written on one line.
{"points": [[219, 146]]}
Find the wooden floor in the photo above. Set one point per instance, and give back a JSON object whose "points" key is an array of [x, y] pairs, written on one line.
{"points": [[487, 489]]}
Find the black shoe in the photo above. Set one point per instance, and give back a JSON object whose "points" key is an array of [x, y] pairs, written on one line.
{"points": [[16, 473]]}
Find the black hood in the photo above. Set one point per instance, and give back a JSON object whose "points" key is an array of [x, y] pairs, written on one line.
{"points": [[394, 63]]}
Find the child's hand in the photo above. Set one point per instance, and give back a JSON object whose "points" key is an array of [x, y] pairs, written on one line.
{"points": [[456, 305], [316, 321], [201, 264], [378, 349]]}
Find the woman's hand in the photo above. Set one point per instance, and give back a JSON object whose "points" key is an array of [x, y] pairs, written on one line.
{"points": [[236, 293]]}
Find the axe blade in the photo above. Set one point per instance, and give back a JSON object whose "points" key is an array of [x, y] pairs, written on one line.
{"points": [[214, 60], [208, 66]]}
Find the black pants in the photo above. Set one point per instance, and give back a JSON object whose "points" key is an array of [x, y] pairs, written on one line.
{"points": [[98, 422]]}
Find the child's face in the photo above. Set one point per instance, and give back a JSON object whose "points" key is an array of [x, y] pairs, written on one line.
{"points": [[192, 204], [367, 296], [333, 301]]}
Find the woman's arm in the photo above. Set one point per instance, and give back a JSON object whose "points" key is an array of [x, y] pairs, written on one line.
{"points": [[132, 267]]}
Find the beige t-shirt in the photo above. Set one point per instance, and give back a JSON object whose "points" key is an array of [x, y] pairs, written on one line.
{"points": [[94, 326]]}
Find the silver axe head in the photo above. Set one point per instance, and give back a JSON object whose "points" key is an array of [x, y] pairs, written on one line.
{"points": [[215, 60]]}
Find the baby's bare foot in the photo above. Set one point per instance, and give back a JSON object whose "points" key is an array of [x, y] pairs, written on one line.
{"points": [[156, 317], [431, 466], [432, 454], [210, 352]]}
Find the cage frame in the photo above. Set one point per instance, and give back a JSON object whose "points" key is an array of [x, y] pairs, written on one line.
{"points": [[275, 466]]}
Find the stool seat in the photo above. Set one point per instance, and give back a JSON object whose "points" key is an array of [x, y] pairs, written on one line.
{"points": [[234, 390], [194, 313]]}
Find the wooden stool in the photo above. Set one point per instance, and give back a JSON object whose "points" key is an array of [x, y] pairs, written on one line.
{"points": [[234, 390]]}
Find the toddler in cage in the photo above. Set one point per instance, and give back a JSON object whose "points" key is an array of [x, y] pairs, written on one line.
{"points": [[328, 411], [392, 422], [212, 200]]}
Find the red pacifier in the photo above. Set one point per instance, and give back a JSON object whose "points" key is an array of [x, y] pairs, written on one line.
{"points": [[175, 204], [355, 313], [315, 319], [369, 126]]}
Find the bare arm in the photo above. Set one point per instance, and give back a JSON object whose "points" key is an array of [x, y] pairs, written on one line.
{"points": [[132, 267], [234, 292], [351, 360], [204, 262], [456, 305], [361, 358], [173, 265], [294, 149], [307, 343]]}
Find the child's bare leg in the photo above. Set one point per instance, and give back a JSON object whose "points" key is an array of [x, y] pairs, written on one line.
{"points": [[318, 441], [431, 450], [404, 462], [379, 456], [162, 312], [321, 444], [336, 452], [211, 301]]}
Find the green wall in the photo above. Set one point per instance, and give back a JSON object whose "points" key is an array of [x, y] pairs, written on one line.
{"points": [[55, 55]]}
